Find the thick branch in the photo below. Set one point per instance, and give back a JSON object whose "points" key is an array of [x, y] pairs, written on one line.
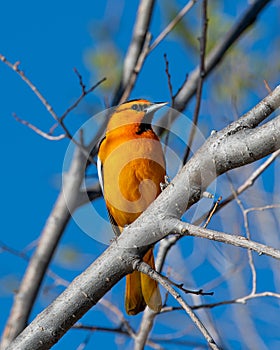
{"points": [[35, 272], [75, 301]]}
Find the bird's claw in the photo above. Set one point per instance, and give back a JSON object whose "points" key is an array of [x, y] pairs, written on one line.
{"points": [[166, 182]]}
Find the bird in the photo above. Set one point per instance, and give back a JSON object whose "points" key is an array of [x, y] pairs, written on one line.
{"points": [[131, 169]]}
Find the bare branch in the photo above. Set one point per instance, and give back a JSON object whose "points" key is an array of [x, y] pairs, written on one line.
{"points": [[251, 179], [169, 80], [21, 254], [187, 229], [212, 211], [218, 52], [137, 69], [172, 24], [84, 93], [119, 330], [246, 184], [81, 82], [140, 46], [149, 315], [248, 235], [266, 207], [45, 103], [165, 245], [59, 120], [47, 136], [137, 43], [39, 262], [59, 217], [202, 41], [241, 300], [123, 322], [185, 290], [145, 268]]}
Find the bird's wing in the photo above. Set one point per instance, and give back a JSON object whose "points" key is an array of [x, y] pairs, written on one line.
{"points": [[100, 174], [100, 177]]}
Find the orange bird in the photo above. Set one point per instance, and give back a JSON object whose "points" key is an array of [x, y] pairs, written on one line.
{"points": [[131, 166]]}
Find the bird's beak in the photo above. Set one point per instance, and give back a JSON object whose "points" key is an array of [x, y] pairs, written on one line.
{"points": [[154, 107]]}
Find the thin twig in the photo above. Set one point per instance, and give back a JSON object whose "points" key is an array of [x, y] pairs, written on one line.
{"points": [[265, 207], [118, 330], [145, 268], [84, 93], [172, 24], [251, 179], [117, 312], [202, 41], [149, 315], [189, 88], [165, 245], [267, 86], [187, 291], [166, 139], [85, 342], [241, 300], [212, 211], [248, 235], [59, 120], [138, 66], [45, 103], [38, 131], [187, 229], [81, 82], [59, 281], [99, 328], [169, 79], [249, 182]]}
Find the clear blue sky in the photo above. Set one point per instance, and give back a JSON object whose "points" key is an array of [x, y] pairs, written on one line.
{"points": [[50, 39]]}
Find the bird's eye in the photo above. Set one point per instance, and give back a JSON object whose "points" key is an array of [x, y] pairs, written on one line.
{"points": [[139, 107], [135, 107]]}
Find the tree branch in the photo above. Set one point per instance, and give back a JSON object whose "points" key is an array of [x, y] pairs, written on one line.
{"points": [[241, 300], [59, 216], [202, 41], [186, 229], [38, 131], [232, 147], [251, 179], [50, 236], [145, 268], [189, 89], [135, 49], [172, 24]]}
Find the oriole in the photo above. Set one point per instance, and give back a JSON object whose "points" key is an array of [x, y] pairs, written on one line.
{"points": [[131, 166]]}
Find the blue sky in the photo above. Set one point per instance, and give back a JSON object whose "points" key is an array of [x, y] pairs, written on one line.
{"points": [[50, 39]]}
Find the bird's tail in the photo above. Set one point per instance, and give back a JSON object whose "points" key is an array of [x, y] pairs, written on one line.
{"points": [[141, 290]]}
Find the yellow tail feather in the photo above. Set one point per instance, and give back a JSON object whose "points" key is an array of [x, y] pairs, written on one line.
{"points": [[141, 290]]}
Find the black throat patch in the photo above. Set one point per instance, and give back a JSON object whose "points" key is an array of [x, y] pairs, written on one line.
{"points": [[143, 127]]}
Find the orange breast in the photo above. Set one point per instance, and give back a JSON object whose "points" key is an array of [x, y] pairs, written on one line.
{"points": [[133, 168]]}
